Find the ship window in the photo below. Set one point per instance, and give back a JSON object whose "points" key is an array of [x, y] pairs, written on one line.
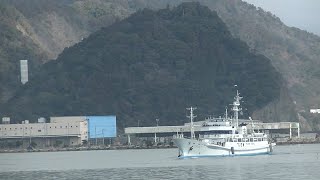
{"points": [[251, 139], [239, 140], [39, 130]]}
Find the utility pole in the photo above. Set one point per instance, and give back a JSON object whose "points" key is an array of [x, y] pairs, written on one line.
{"points": [[29, 136], [103, 137], [95, 134], [155, 134], [68, 134]]}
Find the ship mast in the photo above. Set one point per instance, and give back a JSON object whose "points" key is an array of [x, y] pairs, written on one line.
{"points": [[236, 108], [226, 115], [192, 116]]}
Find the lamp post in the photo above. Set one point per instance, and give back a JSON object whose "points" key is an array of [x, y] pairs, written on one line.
{"points": [[103, 137], [95, 134], [155, 134]]}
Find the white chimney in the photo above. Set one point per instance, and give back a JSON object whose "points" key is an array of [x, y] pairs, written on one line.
{"points": [[24, 71]]}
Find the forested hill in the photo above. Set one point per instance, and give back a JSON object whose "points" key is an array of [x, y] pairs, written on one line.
{"points": [[14, 47], [151, 65]]}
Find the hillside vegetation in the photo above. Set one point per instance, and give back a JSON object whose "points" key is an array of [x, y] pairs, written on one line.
{"points": [[14, 47], [151, 65], [46, 27]]}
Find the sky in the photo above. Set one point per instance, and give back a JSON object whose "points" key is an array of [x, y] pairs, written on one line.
{"points": [[303, 14]]}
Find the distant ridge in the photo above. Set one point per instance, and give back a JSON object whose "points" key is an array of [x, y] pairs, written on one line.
{"points": [[151, 65]]}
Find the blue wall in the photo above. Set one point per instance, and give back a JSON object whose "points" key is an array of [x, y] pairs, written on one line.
{"points": [[102, 126]]}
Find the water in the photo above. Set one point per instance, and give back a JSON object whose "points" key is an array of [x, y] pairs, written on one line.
{"points": [[287, 162]]}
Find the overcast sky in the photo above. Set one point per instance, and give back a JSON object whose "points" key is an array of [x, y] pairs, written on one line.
{"points": [[304, 14]]}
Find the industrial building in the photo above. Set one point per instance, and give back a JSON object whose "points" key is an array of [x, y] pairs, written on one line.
{"points": [[59, 132]]}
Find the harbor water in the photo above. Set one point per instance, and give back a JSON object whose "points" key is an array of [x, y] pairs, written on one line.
{"points": [[287, 162]]}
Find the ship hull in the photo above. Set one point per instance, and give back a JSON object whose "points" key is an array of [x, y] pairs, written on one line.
{"points": [[196, 148]]}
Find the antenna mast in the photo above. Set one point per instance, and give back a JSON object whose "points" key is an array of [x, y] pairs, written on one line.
{"points": [[191, 121], [226, 115], [236, 108]]}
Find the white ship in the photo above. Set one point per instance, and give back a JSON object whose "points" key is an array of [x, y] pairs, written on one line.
{"points": [[223, 137]]}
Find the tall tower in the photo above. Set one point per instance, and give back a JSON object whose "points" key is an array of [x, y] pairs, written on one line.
{"points": [[24, 71]]}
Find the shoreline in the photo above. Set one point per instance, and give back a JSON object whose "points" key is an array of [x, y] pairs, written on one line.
{"points": [[97, 148], [84, 149]]}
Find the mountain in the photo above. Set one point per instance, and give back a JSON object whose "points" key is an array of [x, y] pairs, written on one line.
{"points": [[293, 52], [55, 25], [14, 47], [151, 65], [39, 30]]}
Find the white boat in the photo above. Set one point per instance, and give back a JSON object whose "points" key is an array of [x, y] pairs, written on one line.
{"points": [[223, 137]]}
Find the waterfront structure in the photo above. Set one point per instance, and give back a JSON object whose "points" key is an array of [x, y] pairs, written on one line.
{"points": [[291, 129], [65, 133], [60, 131]]}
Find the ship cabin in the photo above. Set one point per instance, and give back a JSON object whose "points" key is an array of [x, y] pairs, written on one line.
{"points": [[216, 128]]}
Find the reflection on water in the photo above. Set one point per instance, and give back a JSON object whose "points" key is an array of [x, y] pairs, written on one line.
{"points": [[287, 162]]}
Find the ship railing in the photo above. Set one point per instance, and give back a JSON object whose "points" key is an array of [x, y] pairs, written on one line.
{"points": [[210, 136], [251, 139], [177, 136]]}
